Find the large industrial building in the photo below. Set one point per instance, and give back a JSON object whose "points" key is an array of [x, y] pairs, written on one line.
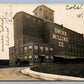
{"points": [[38, 39]]}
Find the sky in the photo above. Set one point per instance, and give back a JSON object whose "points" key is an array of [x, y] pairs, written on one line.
{"points": [[70, 15]]}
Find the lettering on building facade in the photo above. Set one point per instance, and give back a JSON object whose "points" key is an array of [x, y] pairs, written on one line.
{"points": [[60, 35]]}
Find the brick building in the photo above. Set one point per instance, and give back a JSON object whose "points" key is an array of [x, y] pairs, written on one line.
{"points": [[38, 39]]}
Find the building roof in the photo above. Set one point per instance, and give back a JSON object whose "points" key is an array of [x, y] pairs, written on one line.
{"points": [[26, 14], [45, 21], [43, 6]]}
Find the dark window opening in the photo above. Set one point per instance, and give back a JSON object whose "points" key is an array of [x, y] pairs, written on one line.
{"points": [[46, 17], [35, 13], [40, 9]]}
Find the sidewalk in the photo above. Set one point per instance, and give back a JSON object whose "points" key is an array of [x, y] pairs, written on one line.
{"points": [[52, 77]]}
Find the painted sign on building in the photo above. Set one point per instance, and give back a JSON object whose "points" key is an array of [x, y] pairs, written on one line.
{"points": [[60, 35]]}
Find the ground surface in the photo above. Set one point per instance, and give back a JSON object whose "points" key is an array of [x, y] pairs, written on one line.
{"points": [[14, 73]]}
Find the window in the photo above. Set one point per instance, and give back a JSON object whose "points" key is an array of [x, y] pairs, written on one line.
{"points": [[25, 57], [66, 39], [51, 20], [20, 50], [25, 48], [47, 57], [56, 30], [46, 10], [51, 57], [41, 48], [40, 9], [35, 13], [51, 13], [30, 47], [30, 57], [51, 49], [36, 56], [46, 48], [35, 47], [65, 34]]}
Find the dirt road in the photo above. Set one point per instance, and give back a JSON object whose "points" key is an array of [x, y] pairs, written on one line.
{"points": [[14, 73]]}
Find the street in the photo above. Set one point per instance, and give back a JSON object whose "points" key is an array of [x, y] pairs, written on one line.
{"points": [[14, 73]]}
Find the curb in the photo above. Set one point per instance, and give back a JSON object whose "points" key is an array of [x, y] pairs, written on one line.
{"points": [[52, 77]]}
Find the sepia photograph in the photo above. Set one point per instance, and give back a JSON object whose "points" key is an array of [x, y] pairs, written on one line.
{"points": [[41, 42]]}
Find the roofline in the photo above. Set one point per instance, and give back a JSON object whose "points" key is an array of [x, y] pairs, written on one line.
{"points": [[17, 13], [27, 14], [48, 22], [68, 28], [42, 5]]}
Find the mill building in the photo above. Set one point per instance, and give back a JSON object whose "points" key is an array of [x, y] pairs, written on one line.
{"points": [[39, 39]]}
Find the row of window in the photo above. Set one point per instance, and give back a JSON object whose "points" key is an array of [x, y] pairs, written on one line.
{"points": [[36, 57], [48, 18], [40, 9], [76, 43], [73, 35], [36, 47], [26, 48], [75, 54], [76, 48]]}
